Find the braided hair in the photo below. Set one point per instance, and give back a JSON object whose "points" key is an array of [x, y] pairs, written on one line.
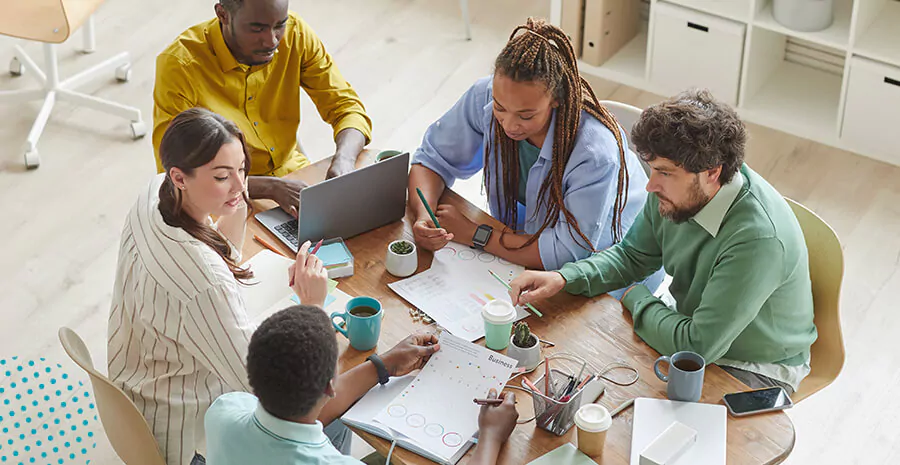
{"points": [[544, 54]]}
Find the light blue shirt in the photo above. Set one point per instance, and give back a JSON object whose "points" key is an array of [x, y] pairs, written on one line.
{"points": [[453, 147], [239, 431]]}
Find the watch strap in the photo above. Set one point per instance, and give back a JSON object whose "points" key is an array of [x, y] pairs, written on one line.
{"points": [[383, 375]]}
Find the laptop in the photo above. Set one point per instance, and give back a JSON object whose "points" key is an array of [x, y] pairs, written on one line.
{"points": [[344, 206]]}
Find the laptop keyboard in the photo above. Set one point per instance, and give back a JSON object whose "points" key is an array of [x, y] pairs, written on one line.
{"points": [[289, 231]]}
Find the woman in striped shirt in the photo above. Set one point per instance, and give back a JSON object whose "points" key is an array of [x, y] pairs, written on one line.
{"points": [[178, 329]]}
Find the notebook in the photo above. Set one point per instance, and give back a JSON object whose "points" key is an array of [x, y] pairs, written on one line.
{"points": [[362, 415], [653, 416], [415, 412], [268, 291]]}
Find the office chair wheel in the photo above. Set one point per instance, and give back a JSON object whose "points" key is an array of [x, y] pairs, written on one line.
{"points": [[32, 159], [123, 73], [138, 129], [15, 67]]}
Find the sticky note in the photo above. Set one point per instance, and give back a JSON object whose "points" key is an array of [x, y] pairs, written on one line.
{"points": [[333, 254]]}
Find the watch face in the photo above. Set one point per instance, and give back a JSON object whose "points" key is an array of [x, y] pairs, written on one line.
{"points": [[481, 235]]}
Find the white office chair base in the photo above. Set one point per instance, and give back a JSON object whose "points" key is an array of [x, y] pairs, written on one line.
{"points": [[54, 89]]}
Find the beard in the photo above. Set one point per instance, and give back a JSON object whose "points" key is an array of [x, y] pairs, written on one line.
{"points": [[696, 200]]}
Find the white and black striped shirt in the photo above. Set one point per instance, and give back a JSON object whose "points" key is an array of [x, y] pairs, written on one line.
{"points": [[178, 330]]}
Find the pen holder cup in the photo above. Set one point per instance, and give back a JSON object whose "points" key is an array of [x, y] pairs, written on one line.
{"points": [[551, 414]]}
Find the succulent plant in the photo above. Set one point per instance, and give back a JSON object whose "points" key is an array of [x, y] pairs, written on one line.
{"points": [[402, 248], [523, 337]]}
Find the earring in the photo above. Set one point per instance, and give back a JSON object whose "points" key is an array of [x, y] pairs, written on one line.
{"points": [[181, 187]]}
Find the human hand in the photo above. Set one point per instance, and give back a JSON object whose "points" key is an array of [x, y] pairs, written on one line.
{"points": [[532, 286], [429, 237], [308, 277], [451, 219], [496, 422], [340, 166], [410, 354]]}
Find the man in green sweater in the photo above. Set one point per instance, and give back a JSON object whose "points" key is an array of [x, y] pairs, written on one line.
{"points": [[736, 254]]}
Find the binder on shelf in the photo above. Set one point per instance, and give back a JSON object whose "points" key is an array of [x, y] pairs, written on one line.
{"points": [[608, 26], [572, 22]]}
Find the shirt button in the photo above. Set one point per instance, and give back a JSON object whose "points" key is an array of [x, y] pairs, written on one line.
{"points": [[250, 98], [256, 123], [272, 149]]}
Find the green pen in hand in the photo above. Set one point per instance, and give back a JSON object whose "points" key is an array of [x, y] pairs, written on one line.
{"points": [[506, 285], [428, 207]]}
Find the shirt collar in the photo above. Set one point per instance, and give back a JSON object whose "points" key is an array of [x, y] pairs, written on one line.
{"points": [[227, 61], [712, 214], [289, 430]]}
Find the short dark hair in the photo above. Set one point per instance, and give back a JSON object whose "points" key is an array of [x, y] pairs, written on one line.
{"points": [[695, 131], [291, 358], [232, 5]]}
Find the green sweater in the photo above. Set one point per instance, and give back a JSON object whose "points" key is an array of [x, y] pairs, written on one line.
{"points": [[742, 293]]}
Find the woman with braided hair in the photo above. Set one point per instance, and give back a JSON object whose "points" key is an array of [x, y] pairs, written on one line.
{"points": [[557, 169]]}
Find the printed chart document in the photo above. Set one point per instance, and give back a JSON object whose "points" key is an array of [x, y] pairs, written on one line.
{"points": [[457, 286], [456, 374]]}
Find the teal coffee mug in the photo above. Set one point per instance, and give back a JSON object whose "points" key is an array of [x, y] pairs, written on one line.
{"points": [[360, 323], [387, 154]]}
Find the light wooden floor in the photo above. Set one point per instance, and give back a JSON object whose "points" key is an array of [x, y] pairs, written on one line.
{"points": [[407, 59]]}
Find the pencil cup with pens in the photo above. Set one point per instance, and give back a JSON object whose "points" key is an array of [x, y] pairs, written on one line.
{"points": [[560, 392]]}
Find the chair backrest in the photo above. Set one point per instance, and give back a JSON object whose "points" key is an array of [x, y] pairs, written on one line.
{"points": [[51, 21], [627, 116], [123, 422], [826, 271]]}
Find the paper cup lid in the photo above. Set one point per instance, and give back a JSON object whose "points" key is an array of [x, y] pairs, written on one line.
{"points": [[593, 418], [498, 312]]}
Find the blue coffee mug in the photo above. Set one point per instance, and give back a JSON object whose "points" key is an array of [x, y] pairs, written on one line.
{"points": [[362, 331]]}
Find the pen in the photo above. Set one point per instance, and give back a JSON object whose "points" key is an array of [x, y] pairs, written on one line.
{"points": [[619, 409], [530, 384], [489, 401], [268, 246], [547, 377], [316, 248], [428, 207], [506, 285]]}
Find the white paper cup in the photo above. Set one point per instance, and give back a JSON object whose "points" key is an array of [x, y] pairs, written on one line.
{"points": [[592, 421]]}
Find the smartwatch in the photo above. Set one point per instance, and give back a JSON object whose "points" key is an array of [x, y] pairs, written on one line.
{"points": [[481, 237], [383, 375]]}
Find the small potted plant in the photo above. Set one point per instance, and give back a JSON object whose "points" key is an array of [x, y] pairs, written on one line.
{"points": [[401, 260], [524, 347]]}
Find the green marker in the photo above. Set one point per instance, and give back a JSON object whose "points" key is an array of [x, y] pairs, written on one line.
{"points": [[506, 285], [427, 207]]}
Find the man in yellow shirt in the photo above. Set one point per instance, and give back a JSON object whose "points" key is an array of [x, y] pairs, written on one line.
{"points": [[248, 64]]}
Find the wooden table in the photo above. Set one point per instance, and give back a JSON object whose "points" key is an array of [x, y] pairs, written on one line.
{"points": [[598, 329]]}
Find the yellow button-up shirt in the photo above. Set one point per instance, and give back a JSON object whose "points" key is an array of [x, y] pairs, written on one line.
{"points": [[198, 69]]}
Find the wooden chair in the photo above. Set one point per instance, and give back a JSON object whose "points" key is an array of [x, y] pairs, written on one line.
{"points": [[826, 270], [627, 115], [52, 22], [123, 422]]}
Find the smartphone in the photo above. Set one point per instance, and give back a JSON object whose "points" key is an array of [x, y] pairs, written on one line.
{"points": [[757, 401]]}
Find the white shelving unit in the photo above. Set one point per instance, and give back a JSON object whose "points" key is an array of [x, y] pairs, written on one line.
{"points": [[793, 81]]}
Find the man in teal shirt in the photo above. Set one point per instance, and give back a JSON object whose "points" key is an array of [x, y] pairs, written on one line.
{"points": [[292, 367], [735, 251]]}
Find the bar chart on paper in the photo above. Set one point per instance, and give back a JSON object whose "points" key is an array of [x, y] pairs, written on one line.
{"points": [[457, 286]]}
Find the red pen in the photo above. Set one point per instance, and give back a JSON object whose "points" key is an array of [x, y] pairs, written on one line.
{"points": [[315, 249], [530, 384]]}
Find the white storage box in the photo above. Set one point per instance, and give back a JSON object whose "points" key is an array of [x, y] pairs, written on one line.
{"points": [[873, 110], [693, 49]]}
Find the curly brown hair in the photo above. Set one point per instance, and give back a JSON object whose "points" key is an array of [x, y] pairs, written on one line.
{"points": [[693, 130]]}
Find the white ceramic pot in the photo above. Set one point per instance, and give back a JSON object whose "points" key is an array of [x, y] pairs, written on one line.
{"points": [[401, 266], [804, 15], [528, 357]]}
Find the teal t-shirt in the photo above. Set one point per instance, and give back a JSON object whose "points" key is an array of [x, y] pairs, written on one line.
{"points": [[528, 155]]}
